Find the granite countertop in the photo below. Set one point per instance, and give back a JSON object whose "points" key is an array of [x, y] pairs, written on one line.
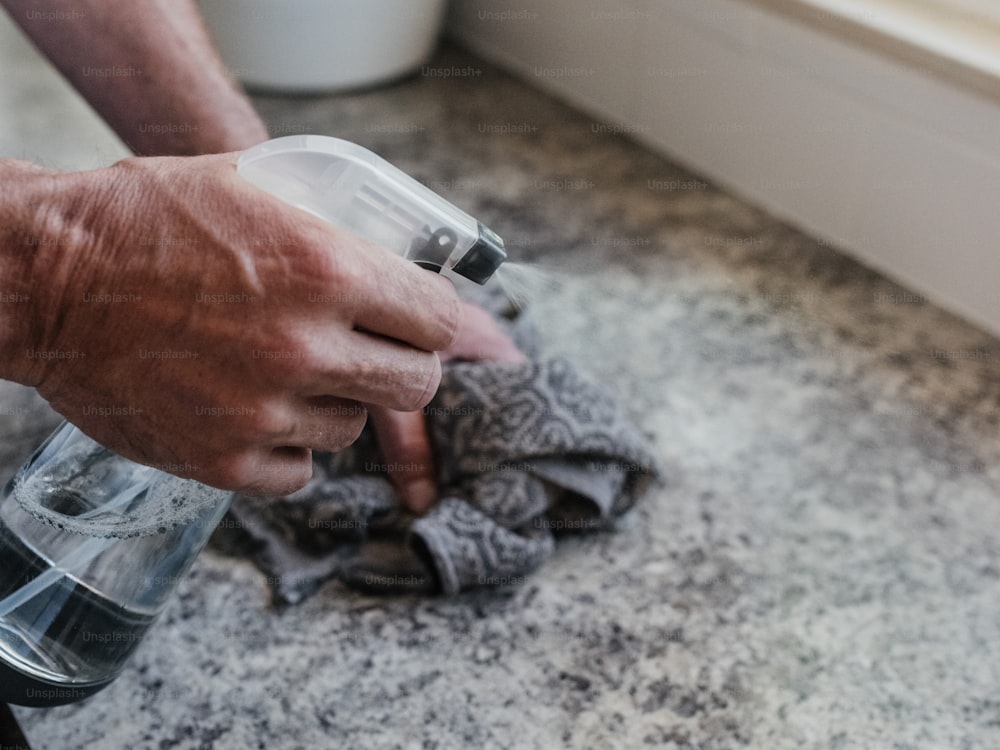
{"points": [[818, 568]]}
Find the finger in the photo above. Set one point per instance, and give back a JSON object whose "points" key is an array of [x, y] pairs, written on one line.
{"points": [[405, 447], [282, 470], [410, 304], [261, 471], [480, 338], [326, 423], [374, 370]]}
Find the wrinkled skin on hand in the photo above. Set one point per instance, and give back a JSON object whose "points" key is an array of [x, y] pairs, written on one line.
{"points": [[187, 320]]}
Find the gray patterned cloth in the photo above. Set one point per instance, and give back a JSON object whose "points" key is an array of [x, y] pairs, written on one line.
{"points": [[524, 453]]}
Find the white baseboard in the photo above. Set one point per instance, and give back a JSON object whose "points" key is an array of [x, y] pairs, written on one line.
{"points": [[887, 159]]}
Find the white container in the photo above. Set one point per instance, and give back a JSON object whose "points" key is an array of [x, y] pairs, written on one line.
{"points": [[303, 46]]}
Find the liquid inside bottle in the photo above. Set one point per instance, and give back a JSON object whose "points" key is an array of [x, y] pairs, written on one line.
{"points": [[91, 548], [65, 642]]}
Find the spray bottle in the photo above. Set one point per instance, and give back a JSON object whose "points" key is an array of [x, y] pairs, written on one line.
{"points": [[92, 545]]}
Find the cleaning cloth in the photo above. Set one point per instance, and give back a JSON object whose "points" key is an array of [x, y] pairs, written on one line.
{"points": [[524, 452]]}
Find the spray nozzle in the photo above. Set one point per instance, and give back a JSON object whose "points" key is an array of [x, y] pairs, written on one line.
{"points": [[351, 187]]}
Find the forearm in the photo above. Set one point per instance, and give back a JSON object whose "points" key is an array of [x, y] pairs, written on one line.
{"points": [[149, 70]]}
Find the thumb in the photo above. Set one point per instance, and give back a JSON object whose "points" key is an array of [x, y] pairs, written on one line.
{"points": [[406, 449]]}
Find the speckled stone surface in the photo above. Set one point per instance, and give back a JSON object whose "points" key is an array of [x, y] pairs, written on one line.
{"points": [[819, 568]]}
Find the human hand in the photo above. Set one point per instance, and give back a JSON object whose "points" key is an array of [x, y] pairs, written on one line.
{"points": [[402, 436], [185, 319]]}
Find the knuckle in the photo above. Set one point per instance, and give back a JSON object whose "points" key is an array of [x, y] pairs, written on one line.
{"points": [[425, 384], [412, 448], [291, 358], [336, 264], [230, 471], [269, 421], [313, 358], [452, 320]]}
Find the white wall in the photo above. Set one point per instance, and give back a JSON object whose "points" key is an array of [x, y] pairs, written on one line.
{"points": [[891, 163]]}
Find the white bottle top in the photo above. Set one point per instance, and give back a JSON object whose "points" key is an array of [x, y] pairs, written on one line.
{"points": [[351, 187]]}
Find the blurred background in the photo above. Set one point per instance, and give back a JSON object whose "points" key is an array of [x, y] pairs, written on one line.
{"points": [[868, 123]]}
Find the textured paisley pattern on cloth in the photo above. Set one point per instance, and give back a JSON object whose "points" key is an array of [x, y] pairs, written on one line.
{"points": [[524, 452]]}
